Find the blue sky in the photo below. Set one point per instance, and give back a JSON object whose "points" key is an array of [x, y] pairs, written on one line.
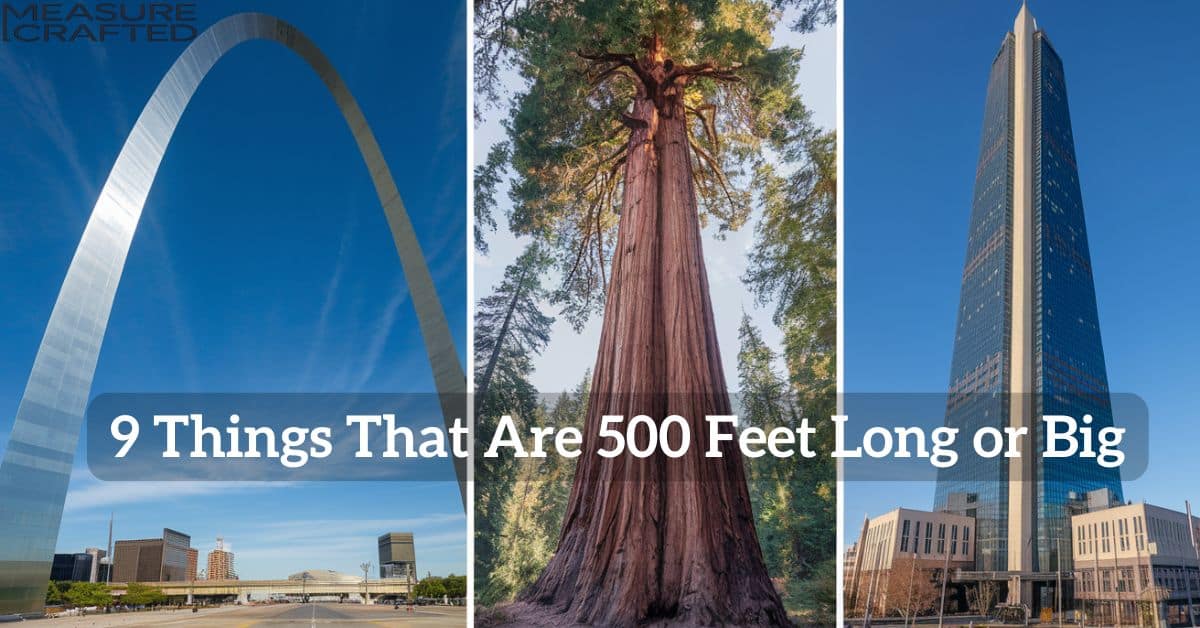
{"points": [[916, 76], [262, 262]]}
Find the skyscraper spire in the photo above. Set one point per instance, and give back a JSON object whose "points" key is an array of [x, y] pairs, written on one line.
{"points": [[1024, 19]]}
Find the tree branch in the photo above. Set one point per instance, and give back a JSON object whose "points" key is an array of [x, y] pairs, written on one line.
{"points": [[703, 69], [621, 60]]}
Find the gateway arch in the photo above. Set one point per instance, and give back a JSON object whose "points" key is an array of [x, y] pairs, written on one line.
{"points": [[41, 448]]}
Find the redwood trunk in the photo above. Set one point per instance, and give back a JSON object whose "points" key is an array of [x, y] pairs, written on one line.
{"points": [[657, 541]]}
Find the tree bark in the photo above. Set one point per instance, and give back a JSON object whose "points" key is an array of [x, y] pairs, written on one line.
{"points": [[655, 540]]}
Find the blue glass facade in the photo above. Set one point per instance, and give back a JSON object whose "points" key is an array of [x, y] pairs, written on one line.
{"points": [[980, 366], [1069, 375], [1069, 369]]}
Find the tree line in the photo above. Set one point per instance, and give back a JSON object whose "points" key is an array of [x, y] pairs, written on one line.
{"points": [[85, 594], [451, 586]]}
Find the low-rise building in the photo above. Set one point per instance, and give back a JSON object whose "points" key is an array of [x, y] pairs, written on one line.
{"points": [[1134, 559], [907, 544]]}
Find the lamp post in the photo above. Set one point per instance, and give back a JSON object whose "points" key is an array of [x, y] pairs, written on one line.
{"points": [[366, 567], [304, 578]]}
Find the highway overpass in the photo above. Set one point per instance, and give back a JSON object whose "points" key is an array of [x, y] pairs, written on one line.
{"points": [[243, 590]]}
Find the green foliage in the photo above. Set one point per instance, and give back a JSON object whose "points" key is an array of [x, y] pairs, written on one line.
{"points": [[794, 260], [87, 594], [794, 499], [812, 13], [488, 177], [54, 592], [793, 266], [510, 326], [456, 586], [816, 596], [536, 502], [567, 143], [527, 546], [432, 586], [137, 594], [510, 329]]}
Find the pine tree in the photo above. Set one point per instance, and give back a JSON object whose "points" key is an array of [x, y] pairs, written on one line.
{"points": [[794, 498], [527, 545], [510, 329], [793, 266], [509, 323], [794, 260], [636, 125]]}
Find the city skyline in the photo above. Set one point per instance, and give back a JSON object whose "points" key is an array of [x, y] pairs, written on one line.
{"points": [[169, 333]]}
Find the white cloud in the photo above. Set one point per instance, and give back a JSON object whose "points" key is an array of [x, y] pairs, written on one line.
{"points": [[86, 492], [38, 103]]}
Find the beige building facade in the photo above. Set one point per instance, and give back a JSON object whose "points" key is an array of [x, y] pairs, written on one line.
{"points": [[900, 540], [1136, 564]]}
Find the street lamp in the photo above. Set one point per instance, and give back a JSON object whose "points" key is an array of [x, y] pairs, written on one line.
{"points": [[366, 567], [304, 578]]}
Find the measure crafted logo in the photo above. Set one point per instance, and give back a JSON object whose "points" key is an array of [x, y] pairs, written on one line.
{"points": [[67, 22]]}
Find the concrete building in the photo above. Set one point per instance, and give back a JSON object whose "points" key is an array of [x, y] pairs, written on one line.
{"points": [[1135, 560], [193, 557], [220, 562], [397, 556], [99, 570], [927, 542], [152, 560], [325, 576]]}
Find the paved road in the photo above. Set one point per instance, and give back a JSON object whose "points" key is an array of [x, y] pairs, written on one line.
{"points": [[353, 616], [275, 616]]}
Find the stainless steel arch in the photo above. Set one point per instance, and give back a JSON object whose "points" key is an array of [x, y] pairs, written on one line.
{"points": [[41, 448]]}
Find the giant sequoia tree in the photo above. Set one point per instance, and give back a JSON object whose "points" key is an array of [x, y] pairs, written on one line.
{"points": [[639, 122]]}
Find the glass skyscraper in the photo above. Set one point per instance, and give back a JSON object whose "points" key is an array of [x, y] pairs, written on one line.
{"points": [[1028, 337]]}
